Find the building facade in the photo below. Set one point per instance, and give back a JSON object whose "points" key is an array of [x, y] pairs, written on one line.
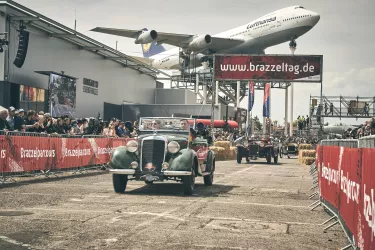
{"points": [[109, 75]]}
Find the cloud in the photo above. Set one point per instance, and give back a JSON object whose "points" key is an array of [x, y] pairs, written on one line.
{"points": [[352, 82]]}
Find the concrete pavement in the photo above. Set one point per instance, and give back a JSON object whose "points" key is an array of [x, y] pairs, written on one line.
{"points": [[250, 206]]}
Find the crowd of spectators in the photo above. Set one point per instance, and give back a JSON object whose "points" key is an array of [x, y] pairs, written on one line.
{"points": [[33, 122], [365, 129]]}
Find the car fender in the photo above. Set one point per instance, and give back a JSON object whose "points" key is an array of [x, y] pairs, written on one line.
{"points": [[121, 158], [183, 161]]}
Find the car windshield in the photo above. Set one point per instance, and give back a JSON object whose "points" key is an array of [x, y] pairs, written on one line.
{"points": [[166, 123]]}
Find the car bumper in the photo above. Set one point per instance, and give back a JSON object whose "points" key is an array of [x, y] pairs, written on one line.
{"points": [[122, 171], [176, 173]]}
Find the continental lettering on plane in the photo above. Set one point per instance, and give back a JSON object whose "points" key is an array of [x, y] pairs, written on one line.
{"points": [[268, 20]]}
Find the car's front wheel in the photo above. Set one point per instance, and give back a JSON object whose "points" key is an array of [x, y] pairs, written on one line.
{"points": [[275, 159], [189, 182], [281, 152], [239, 156], [209, 179], [268, 157], [119, 182]]}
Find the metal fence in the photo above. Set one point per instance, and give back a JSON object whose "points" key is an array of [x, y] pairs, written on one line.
{"points": [[364, 142], [367, 142], [349, 143]]}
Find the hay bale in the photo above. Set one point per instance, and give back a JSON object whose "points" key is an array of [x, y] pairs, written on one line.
{"points": [[231, 154], [302, 154], [307, 153], [307, 160], [305, 146], [223, 144], [219, 153]]}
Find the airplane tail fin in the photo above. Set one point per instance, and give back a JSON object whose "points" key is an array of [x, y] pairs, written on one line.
{"points": [[151, 49]]}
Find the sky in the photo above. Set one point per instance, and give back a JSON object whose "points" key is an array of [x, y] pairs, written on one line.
{"points": [[344, 36]]}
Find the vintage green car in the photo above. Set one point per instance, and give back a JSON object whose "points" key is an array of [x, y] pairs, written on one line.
{"points": [[165, 149]]}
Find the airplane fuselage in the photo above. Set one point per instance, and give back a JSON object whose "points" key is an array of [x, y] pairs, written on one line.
{"points": [[267, 31]]}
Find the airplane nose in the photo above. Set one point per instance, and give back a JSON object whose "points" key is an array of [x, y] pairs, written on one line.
{"points": [[315, 17]]}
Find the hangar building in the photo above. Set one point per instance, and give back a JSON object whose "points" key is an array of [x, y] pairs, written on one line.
{"points": [[101, 74]]}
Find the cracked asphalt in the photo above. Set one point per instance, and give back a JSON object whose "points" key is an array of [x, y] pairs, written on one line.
{"points": [[250, 206]]}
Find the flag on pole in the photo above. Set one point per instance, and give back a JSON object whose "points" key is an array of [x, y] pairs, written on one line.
{"points": [[251, 96], [266, 100]]}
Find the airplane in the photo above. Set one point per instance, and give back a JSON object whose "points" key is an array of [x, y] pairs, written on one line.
{"points": [[280, 26], [334, 129]]}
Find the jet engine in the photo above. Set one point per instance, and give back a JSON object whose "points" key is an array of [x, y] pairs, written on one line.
{"points": [[200, 42], [146, 37]]}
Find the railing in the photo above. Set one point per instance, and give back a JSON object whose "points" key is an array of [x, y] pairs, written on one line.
{"points": [[367, 142], [349, 143], [32, 154]]}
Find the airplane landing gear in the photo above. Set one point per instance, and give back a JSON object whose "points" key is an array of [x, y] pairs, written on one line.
{"points": [[293, 43]]}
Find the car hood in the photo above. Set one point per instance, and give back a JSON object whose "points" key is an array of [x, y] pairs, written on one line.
{"points": [[168, 137]]}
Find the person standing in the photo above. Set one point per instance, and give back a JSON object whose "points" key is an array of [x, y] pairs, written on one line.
{"points": [[3, 120], [325, 108], [331, 108], [10, 118]]}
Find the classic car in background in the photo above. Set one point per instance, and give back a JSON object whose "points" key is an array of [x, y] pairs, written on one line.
{"points": [[257, 147], [165, 149], [289, 147]]}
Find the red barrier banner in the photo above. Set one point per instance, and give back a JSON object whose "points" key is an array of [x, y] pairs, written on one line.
{"points": [[4, 151], [29, 153], [24, 153], [350, 189], [330, 174], [366, 228], [301, 68], [74, 153]]}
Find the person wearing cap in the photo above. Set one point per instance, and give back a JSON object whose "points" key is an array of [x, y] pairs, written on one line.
{"points": [[10, 118], [21, 113], [19, 122]]}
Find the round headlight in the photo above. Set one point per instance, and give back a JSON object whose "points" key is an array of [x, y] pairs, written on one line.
{"points": [[246, 144], [261, 144], [132, 146], [134, 164], [165, 166], [173, 147]]}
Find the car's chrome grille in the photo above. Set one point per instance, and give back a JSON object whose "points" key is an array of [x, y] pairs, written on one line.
{"points": [[291, 148], [152, 152], [253, 149]]}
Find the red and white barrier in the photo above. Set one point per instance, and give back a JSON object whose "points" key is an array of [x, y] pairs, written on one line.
{"points": [[25, 153], [347, 182]]}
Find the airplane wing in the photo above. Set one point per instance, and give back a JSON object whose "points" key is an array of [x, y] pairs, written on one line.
{"points": [[178, 40], [219, 43], [168, 38]]}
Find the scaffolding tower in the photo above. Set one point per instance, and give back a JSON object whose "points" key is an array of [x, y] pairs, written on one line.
{"points": [[342, 106]]}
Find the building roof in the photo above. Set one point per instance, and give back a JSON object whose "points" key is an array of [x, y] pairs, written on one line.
{"points": [[57, 30]]}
